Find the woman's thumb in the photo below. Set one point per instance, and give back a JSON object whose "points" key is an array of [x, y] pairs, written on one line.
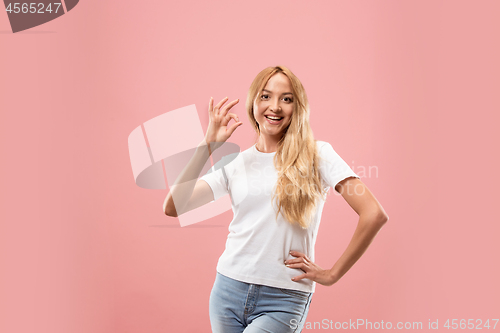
{"points": [[234, 126]]}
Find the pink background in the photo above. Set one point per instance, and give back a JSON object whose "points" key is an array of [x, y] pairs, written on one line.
{"points": [[410, 87]]}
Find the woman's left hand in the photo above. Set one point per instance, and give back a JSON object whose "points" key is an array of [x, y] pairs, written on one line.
{"points": [[311, 270]]}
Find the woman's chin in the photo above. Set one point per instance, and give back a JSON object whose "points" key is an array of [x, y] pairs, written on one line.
{"points": [[273, 133]]}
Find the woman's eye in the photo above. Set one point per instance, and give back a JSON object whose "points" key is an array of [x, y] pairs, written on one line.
{"points": [[286, 99]]}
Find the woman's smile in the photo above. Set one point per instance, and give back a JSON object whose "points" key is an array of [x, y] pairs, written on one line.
{"points": [[274, 120]]}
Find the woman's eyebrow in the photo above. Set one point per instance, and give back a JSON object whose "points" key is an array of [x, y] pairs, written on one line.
{"points": [[269, 91]]}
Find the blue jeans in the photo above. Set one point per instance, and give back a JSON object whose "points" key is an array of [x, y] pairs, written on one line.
{"points": [[237, 306]]}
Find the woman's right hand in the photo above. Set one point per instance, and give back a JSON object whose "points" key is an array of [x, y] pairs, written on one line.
{"points": [[218, 130]]}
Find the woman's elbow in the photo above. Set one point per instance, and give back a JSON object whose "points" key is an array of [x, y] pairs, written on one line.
{"points": [[171, 214], [169, 210], [377, 216], [381, 217]]}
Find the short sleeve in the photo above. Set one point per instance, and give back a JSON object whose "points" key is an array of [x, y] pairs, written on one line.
{"points": [[217, 181], [333, 168]]}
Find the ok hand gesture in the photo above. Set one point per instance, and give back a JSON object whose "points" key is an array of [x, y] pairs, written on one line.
{"points": [[218, 130]]}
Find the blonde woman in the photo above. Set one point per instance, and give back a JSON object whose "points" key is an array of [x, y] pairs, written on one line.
{"points": [[266, 276]]}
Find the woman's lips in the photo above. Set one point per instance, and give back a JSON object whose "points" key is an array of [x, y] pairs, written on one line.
{"points": [[273, 122]]}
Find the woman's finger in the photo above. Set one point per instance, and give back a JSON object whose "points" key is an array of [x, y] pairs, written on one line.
{"points": [[295, 261], [300, 265], [229, 106], [217, 107], [211, 104], [297, 254], [300, 277], [233, 127], [234, 116]]}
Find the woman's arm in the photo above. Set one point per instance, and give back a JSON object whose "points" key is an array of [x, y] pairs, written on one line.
{"points": [[183, 189], [371, 219], [189, 192]]}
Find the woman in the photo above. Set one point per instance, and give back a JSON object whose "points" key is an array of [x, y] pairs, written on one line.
{"points": [[266, 275]]}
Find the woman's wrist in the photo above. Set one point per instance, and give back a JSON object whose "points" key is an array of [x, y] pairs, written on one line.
{"points": [[334, 275], [209, 149], [206, 146]]}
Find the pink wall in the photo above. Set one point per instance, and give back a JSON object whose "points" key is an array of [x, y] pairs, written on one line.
{"points": [[408, 87]]}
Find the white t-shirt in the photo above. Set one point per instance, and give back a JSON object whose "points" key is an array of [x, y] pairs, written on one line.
{"points": [[258, 243]]}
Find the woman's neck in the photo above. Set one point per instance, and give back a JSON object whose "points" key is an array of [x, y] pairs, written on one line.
{"points": [[266, 145]]}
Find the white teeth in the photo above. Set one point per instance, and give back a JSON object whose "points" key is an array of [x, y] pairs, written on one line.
{"points": [[273, 118]]}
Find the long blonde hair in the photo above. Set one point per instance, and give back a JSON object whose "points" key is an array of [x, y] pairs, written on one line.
{"points": [[296, 160]]}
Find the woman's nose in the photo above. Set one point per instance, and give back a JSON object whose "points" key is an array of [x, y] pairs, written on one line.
{"points": [[275, 106]]}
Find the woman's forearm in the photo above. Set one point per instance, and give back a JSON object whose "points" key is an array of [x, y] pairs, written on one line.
{"points": [[368, 227], [183, 187]]}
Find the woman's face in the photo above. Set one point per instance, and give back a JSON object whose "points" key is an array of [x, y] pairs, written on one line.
{"points": [[276, 101]]}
